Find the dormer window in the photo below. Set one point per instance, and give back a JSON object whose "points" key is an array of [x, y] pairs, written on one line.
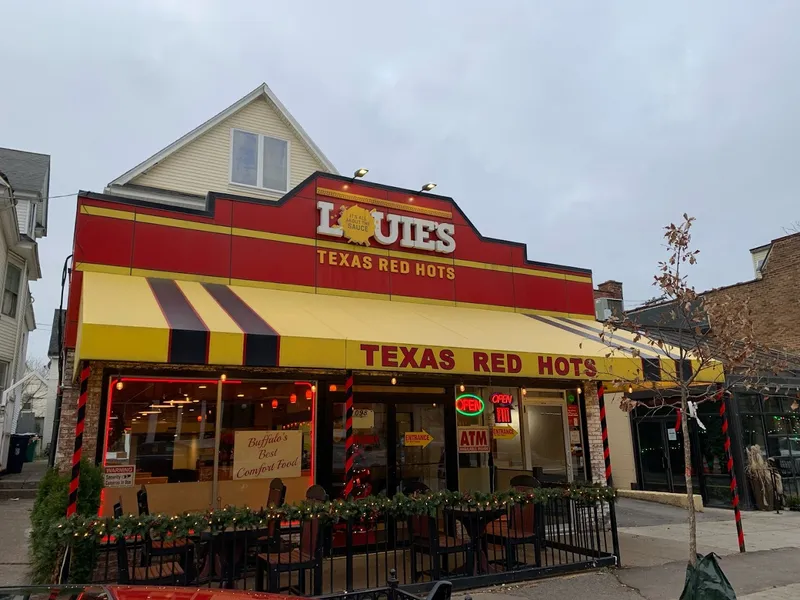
{"points": [[259, 161]]}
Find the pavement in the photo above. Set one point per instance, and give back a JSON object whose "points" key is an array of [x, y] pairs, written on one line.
{"points": [[23, 485], [654, 550], [14, 533]]}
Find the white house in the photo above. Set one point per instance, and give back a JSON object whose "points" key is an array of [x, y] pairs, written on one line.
{"points": [[24, 190]]}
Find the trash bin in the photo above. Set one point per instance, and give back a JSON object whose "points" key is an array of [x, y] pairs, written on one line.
{"points": [[33, 446], [16, 453]]}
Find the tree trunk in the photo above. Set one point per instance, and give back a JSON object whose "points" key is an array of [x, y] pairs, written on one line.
{"points": [[687, 459]]}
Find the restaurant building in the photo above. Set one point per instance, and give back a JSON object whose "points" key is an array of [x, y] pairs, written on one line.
{"points": [[218, 336]]}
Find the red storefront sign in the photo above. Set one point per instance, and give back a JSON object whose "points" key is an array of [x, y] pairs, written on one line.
{"points": [[394, 243]]}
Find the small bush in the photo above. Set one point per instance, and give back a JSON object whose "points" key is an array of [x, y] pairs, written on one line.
{"points": [[50, 506]]}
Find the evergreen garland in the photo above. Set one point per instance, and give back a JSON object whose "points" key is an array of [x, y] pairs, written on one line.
{"points": [[162, 526]]}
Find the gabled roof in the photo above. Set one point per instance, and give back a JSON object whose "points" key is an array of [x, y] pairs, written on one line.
{"points": [[25, 171], [262, 91]]}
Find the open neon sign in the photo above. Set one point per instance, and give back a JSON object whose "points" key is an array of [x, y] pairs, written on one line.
{"points": [[469, 405], [502, 407]]}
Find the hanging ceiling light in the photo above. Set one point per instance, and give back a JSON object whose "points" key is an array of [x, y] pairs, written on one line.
{"points": [[293, 398], [223, 377], [314, 389], [630, 388], [394, 380], [309, 394], [275, 403], [579, 390], [120, 384], [524, 391], [461, 388]]}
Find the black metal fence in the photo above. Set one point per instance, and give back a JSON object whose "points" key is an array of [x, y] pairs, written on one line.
{"points": [[469, 545]]}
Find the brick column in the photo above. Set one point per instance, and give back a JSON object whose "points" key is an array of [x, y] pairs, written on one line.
{"points": [[597, 462], [69, 410]]}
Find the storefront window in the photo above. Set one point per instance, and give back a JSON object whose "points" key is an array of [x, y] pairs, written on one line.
{"points": [[523, 435], [165, 431]]}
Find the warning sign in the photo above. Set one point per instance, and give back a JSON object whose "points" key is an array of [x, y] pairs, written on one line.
{"points": [[119, 476], [473, 439], [574, 415]]}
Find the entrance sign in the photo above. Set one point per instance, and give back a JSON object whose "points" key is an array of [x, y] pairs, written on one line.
{"points": [[417, 439], [469, 405], [119, 476], [358, 225], [267, 454], [503, 432], [473, 439]]}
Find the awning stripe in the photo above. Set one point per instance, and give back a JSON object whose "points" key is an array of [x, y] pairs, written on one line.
{"points": [[611, 336], [188, 336], [261, 341], [560, 324]]}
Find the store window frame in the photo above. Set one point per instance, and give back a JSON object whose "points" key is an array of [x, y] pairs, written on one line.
{"points": [[110, 380], [260, 155], [761, 415]]}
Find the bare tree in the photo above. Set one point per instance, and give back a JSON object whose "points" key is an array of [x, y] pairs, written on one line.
{"points": [[702, 336]]}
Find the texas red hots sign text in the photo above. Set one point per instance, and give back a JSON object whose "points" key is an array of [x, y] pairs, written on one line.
{"points": [[327, 235], [464, 360]]}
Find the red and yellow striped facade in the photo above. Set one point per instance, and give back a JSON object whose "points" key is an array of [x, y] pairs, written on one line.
{"points": [[250, 242]]}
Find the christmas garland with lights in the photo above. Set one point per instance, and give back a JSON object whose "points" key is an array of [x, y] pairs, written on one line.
{"points": [[162, 526]]}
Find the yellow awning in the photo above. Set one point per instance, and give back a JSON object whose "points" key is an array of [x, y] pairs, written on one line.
{"points": [[153, 320]]}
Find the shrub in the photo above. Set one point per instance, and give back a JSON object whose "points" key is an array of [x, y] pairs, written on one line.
{"points": [[46, 551]]}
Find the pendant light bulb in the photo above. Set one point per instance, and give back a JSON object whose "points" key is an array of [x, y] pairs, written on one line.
{"points": [[223, 377], [579, 390], [524, 392], [394, 380], [630, 388], [461, 388], [120, 385]]}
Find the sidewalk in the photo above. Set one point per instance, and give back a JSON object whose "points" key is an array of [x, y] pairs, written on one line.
{"points": [[15, 517], [23, 485], [654, 551]]}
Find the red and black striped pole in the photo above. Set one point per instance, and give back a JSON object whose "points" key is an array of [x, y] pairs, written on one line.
{"points": [[601, 400], [349, 452], [729, 456], [80, 420]]}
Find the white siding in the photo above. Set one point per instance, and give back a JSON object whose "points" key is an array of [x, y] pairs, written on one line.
{"points": [[203, 165], [23, 214], [8, 326]]}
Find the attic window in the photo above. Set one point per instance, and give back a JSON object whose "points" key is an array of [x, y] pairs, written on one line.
{"points": [[259, 161]]}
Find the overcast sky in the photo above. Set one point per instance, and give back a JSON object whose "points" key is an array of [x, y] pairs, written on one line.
{"points": [[580, 128]]}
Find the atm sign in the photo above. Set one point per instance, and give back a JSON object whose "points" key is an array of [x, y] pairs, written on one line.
{"points": [[469, 405]]}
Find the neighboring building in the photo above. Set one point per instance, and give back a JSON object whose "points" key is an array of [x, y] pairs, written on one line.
{"points": [[253, 148], [646, 446], [24, 187]]}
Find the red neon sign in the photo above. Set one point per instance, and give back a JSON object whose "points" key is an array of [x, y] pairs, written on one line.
{"points": [[502, 414], [507, 399]]}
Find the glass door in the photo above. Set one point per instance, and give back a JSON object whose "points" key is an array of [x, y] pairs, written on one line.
{"points": [[653, 459], [419, 441], [546, 435]]}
